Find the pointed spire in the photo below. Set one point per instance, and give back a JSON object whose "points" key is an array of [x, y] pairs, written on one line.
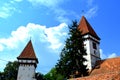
{"points": [[28, 52], [86, 28]]}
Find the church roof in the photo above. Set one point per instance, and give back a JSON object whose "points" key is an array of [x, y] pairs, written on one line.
{"points": [[28, 52], [86, 28], [107, 65], [108, 69]]}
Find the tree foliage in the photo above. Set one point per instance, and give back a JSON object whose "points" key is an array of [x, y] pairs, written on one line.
{"points": [[10, 71], [39, 76], [53, 75], [71, 60]]}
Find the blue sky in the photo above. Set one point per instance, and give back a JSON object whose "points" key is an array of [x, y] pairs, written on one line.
{"points": [[45, 22]]}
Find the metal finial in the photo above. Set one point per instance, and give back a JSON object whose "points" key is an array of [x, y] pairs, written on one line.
{"points": [[83, 12]]}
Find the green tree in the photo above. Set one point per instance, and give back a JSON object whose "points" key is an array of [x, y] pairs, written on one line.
{"points": [[71, 60], [39, 76], [52, 75], [1, 76], [10, 71]]}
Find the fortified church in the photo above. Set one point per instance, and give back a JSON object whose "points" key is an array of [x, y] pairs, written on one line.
{"points": [[108, 69]]}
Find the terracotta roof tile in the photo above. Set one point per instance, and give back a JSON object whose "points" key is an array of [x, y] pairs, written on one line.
{"points": [[86, 28], [28, 52], [108, 69], [106, 76], [107, 65]]}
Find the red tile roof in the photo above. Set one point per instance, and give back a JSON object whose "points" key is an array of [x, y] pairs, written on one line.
{"points": [[28, 52], [86, 28], [108, 69], [107, 65], [107, 76]]}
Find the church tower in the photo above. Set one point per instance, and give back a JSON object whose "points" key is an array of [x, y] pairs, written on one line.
{"points": [[27, 63], [91, 43]]}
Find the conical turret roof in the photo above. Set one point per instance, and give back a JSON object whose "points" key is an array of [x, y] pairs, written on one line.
{"points": [[86, 28], [28, 52]]}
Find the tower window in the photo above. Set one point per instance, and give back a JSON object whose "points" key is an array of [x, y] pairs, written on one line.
{"points": [[94, 46], [94, 52]]}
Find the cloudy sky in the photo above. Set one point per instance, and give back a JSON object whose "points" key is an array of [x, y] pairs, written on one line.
{"points": [[45, 23]]}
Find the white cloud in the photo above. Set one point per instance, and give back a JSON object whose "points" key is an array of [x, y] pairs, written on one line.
{"points": [[91, 12], [47, 3], [102, 55], [52, 35], [47, 39], [54, 6], [112, 55], [16, 36], [1, 47], [7, 9], [60, 15], [91, 8], [105, 56]]}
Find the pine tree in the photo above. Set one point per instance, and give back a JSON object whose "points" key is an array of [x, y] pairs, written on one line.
{"points": [[72, 59]]}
